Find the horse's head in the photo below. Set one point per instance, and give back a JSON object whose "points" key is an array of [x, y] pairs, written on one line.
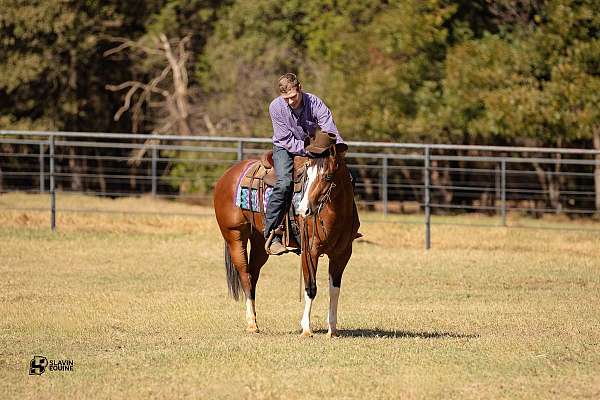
{"points": [[323, 176]]}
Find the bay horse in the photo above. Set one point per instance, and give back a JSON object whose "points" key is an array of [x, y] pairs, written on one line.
{"points": [[328, 225]]}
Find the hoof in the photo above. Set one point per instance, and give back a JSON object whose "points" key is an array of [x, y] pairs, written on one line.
{"points": [[306, 334], [332, 335], [252, 329]]}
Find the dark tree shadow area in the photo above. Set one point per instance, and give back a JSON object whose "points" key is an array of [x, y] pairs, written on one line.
{"points": [[400, 334]]}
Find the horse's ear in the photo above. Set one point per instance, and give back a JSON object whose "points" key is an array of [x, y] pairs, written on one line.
{"points": [[340, 148]]}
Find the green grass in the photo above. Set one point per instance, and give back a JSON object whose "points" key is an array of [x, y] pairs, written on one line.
{"points": [[139, 303]]}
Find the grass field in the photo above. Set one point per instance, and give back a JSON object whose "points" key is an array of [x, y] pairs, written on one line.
{"points": [[139, 303]]}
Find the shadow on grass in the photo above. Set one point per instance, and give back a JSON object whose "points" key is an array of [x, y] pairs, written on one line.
{"points": [[382, 333]]}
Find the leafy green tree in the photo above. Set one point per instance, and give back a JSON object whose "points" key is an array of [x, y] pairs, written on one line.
{"points": [[484, 72], [52, 71], [535, 81], [386, 65], [253, 43], [367, 59]]}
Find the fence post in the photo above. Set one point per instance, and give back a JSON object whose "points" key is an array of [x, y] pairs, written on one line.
{"points": [[427, 199], [42, 168], [384, 185], [154, 173], [52, 187], [240, 150], [503, 188]]}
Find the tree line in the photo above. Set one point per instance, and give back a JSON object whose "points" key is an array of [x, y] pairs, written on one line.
{"points": [[506, 72]]}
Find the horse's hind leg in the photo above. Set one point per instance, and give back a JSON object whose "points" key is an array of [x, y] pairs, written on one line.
{"points": [[237, 242], [337, 264], [258, 258]]}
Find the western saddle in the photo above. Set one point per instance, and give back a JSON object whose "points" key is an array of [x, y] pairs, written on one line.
{"points": [[261, 175], [264, 173]]}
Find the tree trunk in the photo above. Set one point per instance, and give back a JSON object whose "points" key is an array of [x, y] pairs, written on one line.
{"points": [[133, 177], [76, 181], [101, 178], [554, 186], [369, 191], [407, 175], [440, 177], [462, 177], [596, 135], [179, 107], [541, 175]]}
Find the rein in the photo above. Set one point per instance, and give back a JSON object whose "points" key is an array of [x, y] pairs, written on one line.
{"points": [[306, 237]]}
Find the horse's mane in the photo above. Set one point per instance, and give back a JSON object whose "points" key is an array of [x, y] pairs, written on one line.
{"points": [[320, 162]]}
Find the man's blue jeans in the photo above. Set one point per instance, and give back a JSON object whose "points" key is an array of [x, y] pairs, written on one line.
{"points": [[281, 196]]}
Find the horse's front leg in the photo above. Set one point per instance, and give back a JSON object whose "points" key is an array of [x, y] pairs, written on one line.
{"points": [[309, 271], [337, 264], [334, 295]]}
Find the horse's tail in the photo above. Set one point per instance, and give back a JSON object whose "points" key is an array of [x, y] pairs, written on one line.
{"points": [[233, 276]]}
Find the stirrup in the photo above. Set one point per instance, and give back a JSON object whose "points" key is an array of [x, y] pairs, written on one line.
{"points": [[278, 248], [274, 232]]}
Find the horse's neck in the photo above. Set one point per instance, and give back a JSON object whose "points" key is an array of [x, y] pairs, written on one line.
{"points": [[343, 174], [342, 194]]}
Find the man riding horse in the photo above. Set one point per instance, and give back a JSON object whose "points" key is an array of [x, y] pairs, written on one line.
{"points": [[326, 219], [296, 115]]}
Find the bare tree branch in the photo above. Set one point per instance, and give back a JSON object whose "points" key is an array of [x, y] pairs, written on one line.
{"points": [[181, 107], [170, 85], [209, 124], [128, 43], [175, 98], [134, 86]]}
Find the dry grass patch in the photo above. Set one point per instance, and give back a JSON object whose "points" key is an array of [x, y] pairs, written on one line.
{"points": [[139, 303]]}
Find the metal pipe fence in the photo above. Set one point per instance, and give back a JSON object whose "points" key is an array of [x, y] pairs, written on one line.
{"points": [[389, 177]]}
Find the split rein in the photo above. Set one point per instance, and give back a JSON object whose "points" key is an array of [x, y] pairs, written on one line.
{"points": [[317, 220]]}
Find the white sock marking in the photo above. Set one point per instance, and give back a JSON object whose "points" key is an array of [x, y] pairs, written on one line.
{"points": [[306, 317], [334, 294], [250, 311]]}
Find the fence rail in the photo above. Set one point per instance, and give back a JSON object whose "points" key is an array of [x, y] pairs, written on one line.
{"points": [[389, 177]]}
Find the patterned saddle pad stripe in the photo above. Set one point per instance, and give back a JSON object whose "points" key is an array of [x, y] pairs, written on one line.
{"points": [[247, 199]]}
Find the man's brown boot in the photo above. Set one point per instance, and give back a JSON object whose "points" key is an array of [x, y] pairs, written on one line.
{"points": [[277, 247]]}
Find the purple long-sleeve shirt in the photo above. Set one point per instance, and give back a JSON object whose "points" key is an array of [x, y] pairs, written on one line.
{"points": [[289, 130]]}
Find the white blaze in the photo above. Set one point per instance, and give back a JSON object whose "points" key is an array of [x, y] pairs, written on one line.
{"points": [[311, 174]]}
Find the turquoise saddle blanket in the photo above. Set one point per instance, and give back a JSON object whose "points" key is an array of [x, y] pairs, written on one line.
{"points": [[247, 199]]}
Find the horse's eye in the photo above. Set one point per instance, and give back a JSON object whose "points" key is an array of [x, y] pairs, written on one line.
{"points": [[328, 177]]}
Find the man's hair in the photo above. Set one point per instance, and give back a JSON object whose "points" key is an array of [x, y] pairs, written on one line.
{"points": [[287, 82]]}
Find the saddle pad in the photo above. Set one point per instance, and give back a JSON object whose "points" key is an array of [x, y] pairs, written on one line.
{"points": [[247, 199]]}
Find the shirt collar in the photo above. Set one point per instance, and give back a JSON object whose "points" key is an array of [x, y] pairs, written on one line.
{"points": [[300, 110]]}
